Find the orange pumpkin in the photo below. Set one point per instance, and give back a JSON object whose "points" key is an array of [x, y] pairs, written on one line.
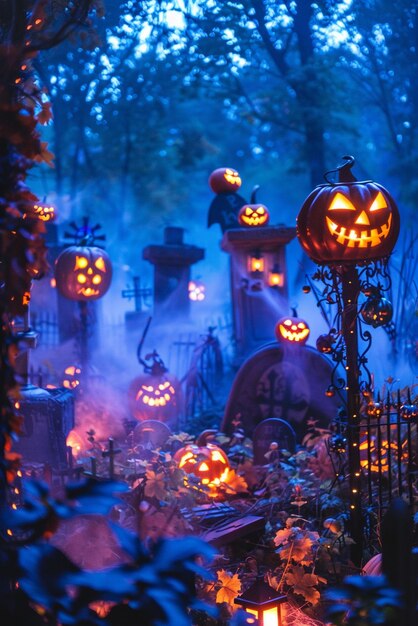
{"points": [[292, 330], [224, 180], [209, 463], [348, 221], [83, 273], [253, 214]]}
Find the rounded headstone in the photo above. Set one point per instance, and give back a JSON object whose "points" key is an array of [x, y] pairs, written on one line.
{"points": [[272, 430], [285, 382], [151, 432]]}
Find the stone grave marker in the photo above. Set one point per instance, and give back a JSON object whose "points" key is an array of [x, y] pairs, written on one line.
{"points": [[151, 433], [272, 430]]}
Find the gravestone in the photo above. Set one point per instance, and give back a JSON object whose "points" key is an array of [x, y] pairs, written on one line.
{"points": [[151, 432], [282, 381], [269, 431]]}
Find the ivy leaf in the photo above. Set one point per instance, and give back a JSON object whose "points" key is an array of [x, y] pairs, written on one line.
{"points": [[303, 583], [231, 587], [155, 486]]}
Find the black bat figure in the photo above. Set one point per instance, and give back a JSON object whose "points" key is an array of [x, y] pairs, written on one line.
{"points": [[224, 210]]}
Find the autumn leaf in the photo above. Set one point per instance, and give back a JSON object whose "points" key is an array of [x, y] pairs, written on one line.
{"points": [[155, 486], [234, 483], [45, 155], [296, 544], [303, 583], [231, 587], [45, 114]]}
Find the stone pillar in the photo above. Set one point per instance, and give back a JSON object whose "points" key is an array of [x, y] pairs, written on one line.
{"points": [[259, 289], [172, 261]]}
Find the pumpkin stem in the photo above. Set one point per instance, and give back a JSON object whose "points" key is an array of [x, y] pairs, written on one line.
{"points": [[254, 191], [141, 342], [294, 311], [345, 174]]}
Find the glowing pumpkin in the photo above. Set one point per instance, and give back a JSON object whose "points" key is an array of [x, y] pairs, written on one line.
{"points": [[209, 463], [72, 376], [224, 180], [83, 273], [154, 397], [375, 460], [348, 221], [46, 213], [253, 214], [292, 330]]}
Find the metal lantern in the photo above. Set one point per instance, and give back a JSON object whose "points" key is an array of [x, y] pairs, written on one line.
{"points": [[376, 311], [264, 602]]}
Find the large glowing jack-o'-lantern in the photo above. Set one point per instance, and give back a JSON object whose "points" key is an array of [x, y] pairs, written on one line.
{"points": [[292, 330], [253, 214], [349, 221], [83, 273], [224, 180], [209, 463], [155, 394]]}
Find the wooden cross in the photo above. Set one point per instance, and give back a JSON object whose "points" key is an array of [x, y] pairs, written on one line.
{"points": [[137, 293], [111, 453]]}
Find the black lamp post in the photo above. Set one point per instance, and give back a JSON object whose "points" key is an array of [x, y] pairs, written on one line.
{"points": [[350, 227]]}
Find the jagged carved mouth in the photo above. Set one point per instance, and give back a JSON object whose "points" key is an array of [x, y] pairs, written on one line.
{"points": [[254, 221], [89, 292], [233, 179], [291, 335], [359, 238]]}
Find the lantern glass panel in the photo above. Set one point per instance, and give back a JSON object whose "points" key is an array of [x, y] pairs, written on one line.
{"points": [[256, 264]]}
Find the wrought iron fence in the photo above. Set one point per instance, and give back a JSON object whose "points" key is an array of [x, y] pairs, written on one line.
{"points": [[389, 451]]}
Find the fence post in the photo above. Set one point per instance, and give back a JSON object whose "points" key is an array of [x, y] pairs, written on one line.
{"points": [[398, 564]]}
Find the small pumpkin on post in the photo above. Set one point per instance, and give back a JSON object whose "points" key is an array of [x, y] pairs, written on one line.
{"points": [[253, 214], [83, 273]]}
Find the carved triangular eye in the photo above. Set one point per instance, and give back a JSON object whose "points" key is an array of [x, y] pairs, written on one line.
{"points": [[100, 264], [248, 211], [379, 203], [341, 202], [260, 210]]}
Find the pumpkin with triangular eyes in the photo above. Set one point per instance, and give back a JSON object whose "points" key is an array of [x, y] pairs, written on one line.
{"points": [[83, 273], [253, 214], [348, 221]]}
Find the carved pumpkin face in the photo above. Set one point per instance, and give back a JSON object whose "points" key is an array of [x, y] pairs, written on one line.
{"points": [[348, 221], [209, 463], [72, 376], [154, 397], [224, 180], [253, 215], [44, 213], [292, 330], [83, 273]]}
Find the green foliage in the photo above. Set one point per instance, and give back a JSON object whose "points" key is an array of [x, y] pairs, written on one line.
{"points": [[154, 586], [364, 600]]}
